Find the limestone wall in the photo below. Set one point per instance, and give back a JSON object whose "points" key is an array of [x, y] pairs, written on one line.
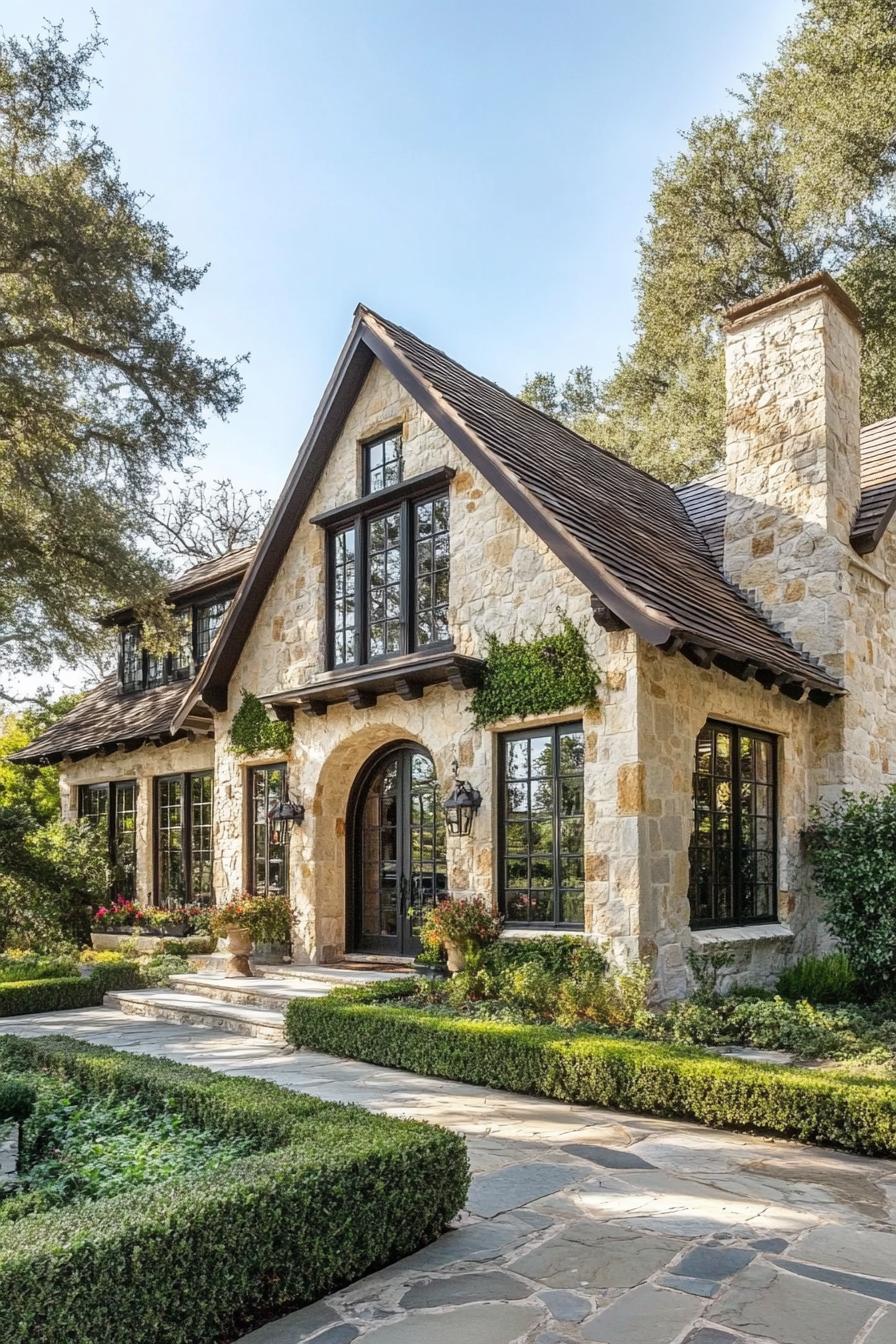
{"points": [[503, 579], [142, 765]]}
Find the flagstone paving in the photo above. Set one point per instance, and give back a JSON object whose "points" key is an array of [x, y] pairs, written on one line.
{"points": [[582, 1224]]}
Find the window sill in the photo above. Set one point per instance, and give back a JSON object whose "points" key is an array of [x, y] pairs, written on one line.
{"points": [[742, 933]]}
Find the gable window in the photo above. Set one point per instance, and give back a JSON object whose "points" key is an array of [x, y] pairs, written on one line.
{"points": [[733, 850], [130, 663], [267, 844], [382, 462], [542, 827], [113, 807], [183, 817], [388, 582]]}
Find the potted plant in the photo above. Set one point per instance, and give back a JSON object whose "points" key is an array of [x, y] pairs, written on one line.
{"points": [[233, 921], [463, 927], [271, 927]]}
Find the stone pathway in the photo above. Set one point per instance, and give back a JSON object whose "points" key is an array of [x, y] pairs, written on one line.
{"points": [[584, 1225]]}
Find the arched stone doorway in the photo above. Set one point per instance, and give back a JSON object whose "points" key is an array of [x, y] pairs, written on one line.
{"points": [[397, 861]]}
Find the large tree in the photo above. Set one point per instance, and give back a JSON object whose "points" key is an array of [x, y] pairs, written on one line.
{"points": [[101, 392], [800, 175]]}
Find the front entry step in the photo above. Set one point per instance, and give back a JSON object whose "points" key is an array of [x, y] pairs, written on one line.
{"points": [[173, 1005]]}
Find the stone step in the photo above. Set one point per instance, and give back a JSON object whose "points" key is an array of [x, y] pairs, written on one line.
{"points": [[325, 975], [176, 1005], [254, 992]]}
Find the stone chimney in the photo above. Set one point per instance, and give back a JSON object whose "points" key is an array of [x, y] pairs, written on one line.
{"points": [[792, 457]]}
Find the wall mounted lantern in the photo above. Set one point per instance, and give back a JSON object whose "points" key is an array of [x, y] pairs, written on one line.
{"points": [[282, 815], [461, 805]]}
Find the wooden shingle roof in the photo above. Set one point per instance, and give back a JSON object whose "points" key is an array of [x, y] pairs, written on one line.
{"points": [[627, 536]]}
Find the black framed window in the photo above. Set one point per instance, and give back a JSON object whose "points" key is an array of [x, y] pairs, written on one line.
{"points": [[206, 622], [382, 462], [267, 843], [183, 831], [113, 806], [388, 579], [139, 670], [733, 852], [542, 826], [130, 660]]}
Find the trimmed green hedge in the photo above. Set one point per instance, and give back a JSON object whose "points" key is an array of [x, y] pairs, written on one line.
{"points": [[333, 1193], [16, 1099], [69, 991], [813, 1105]]}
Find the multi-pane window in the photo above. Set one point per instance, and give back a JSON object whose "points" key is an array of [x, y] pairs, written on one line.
{"points": [[113, 807], [206, 622], [388, 578], [184, 839], [384, 584], [733, 847], [431, 571], [343, 612], [140, 670], [542, 826], [123, 831], [382, 462], [267, 840], [131, 660]]}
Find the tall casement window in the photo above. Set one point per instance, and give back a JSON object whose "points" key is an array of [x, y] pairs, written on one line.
{"points": [[184, 839], [267, 843], [734, 848], [388, 582], [130, 667], [206, 623], [114, 808], [542, 826], [382, 462]]}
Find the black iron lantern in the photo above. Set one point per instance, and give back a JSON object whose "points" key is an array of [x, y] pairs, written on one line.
{"points": [[461, 805], [283, 814]]}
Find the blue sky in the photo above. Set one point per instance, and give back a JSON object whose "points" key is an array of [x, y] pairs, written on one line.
{"points": [[477, 170]]}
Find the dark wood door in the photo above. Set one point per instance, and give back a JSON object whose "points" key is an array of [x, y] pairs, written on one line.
{"points": [[399, 851]]}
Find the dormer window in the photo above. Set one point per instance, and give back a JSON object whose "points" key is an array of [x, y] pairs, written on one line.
{"points": [[382, 462], [139, 670]]}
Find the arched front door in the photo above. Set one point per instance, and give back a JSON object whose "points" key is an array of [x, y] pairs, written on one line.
{"points": [[398, 851]]}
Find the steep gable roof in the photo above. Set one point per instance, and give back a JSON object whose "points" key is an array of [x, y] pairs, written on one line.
{"points": [[624, 534]]}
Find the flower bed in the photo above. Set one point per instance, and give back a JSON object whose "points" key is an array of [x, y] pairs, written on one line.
{"points": [[858, 1114], [127, 917], [330, 1193]]}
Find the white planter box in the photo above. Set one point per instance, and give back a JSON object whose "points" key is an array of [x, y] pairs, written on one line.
{"points": [[116, 942]]}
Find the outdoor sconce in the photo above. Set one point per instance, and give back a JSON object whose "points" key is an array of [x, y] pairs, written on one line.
{"points": [[283, 814], [461, 805]]}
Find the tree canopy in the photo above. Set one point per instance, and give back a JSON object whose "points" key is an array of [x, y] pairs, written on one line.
{"points": [[102, 395], [32, 788], [801, 175]]}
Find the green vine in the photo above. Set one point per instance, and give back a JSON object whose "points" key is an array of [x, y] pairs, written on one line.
{"points": [[537, 676], [253, 731]]}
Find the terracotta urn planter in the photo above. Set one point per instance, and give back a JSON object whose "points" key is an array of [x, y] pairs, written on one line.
{"points": [[456, 956], [239, 945]]}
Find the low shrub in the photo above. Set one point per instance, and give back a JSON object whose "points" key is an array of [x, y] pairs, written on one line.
{"points": [[334, 1193], [16, 1099], [70, 991], [23, 965], [858, 1114], [828, 979], [193, 945]]}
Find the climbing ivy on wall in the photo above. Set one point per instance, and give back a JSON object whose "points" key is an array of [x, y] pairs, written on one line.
{"points": [[253, 731], [536, 676]]}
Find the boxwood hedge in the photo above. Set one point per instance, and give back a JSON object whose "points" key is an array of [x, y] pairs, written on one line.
{"points": [[68, 991], [332, 1193], [16, 1099], [816, 1106]]}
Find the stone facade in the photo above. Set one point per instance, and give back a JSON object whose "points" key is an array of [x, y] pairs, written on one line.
{"points": [[793, 484]]}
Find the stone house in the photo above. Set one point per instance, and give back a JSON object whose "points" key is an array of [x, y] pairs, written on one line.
{"points": [[742, 626]]}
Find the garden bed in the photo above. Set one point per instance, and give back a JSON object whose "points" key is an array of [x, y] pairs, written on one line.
{"points": [[328, 1193], [372, 1024]]}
